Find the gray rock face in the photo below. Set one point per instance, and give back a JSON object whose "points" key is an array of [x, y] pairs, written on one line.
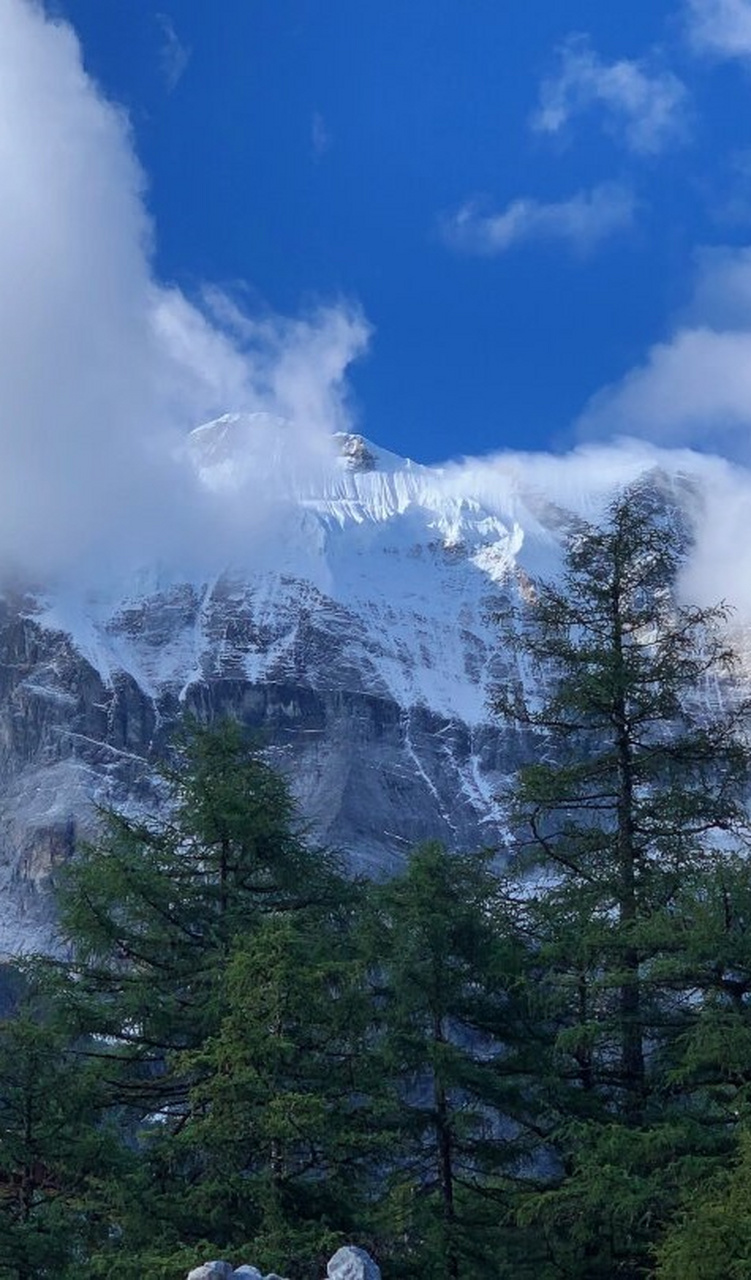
{"points": [[373, 775], [67, 740]]}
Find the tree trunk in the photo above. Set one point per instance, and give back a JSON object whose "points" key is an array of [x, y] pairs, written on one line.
{"points": [[632, 1035], [445, 1161]]}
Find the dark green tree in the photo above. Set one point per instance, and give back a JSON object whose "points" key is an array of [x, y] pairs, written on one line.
{"points": [[157, 914], [638, 788], [152, 910], [710, 1239], [710, 1071], [285, 1117], [56, 1155], [457, 1045]]}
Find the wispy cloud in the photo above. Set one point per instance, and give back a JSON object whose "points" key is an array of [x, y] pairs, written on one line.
{"points": [[582, 222], [174, 55], [642, 105], [721, 28], [694, 388], [320, 136]]}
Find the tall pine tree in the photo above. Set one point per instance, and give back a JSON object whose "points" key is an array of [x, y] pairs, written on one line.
{"points": [[153, 908], [638, 788], [457, 1050], [163, 916]]}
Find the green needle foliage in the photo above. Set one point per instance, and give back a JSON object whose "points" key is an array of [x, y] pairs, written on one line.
{"points": [[164, 916], [540, 1075], [56, 1156], [634, 800], [711, 1238], [153, 909], [283, 1116], [456, 1046]]}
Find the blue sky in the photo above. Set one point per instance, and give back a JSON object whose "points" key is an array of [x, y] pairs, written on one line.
{"points": [[521, 199], [470, 230]]}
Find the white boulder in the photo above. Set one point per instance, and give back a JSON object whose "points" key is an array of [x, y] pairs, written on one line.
{"points": [[211, 1271], [351, 1263]]}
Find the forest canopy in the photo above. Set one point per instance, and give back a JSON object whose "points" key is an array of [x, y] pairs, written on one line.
{"points": [[522, 1062]]}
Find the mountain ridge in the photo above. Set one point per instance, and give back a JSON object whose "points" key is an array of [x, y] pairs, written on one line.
{"points": [[355, 632]]}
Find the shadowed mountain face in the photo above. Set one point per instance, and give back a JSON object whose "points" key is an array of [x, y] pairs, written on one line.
{"points": [[358, 639], [372, 776]]}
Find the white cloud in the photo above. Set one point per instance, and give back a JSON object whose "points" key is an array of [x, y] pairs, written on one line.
{"points": [[174, 55], [695, 387], [721, 28], [583, 481], [719, 567], [644, 106], [293, 367], [103, 369], [722, 289], [582, 222], [320, 136]]}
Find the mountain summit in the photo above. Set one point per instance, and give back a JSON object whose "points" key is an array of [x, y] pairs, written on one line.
{"points": [[349, 619]]}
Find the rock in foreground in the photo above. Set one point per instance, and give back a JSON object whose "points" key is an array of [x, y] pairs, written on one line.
{"points": [[348, 1263]]}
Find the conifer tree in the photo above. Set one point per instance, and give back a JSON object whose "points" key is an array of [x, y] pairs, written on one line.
{"points": [[158, 914], [457, 1051], [56, 1155], [710, 1239], [154, 907], [284, 1118], [638, 789]]}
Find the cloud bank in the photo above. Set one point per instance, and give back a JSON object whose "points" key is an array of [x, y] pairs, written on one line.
{"points": [[584, 480], [104, 369], [642, 105], [581, 223], [694, 389]]}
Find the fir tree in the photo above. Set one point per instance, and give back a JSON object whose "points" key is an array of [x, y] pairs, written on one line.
{"points": [[638, 790], [158, 914], [284, 1118], [711, 1238], [153, 908], [56, 1155], [457, 1053]]}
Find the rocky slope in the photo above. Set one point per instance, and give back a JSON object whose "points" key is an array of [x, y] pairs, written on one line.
{"points": [[356, 633]]}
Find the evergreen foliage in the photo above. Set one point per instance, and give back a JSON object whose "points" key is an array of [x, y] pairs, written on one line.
{"points": [[456, 1044], [56, 1156], [625, 816], [176, 924], [282, 1119], [153, 909], [536, 1074]]}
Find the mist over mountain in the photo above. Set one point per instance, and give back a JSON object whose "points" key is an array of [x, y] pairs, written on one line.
{"points": [[348, 616], [106, 370]]}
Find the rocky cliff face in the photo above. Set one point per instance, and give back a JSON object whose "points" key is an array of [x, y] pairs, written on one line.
{"points": [[372, 774], [359, 642]]}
